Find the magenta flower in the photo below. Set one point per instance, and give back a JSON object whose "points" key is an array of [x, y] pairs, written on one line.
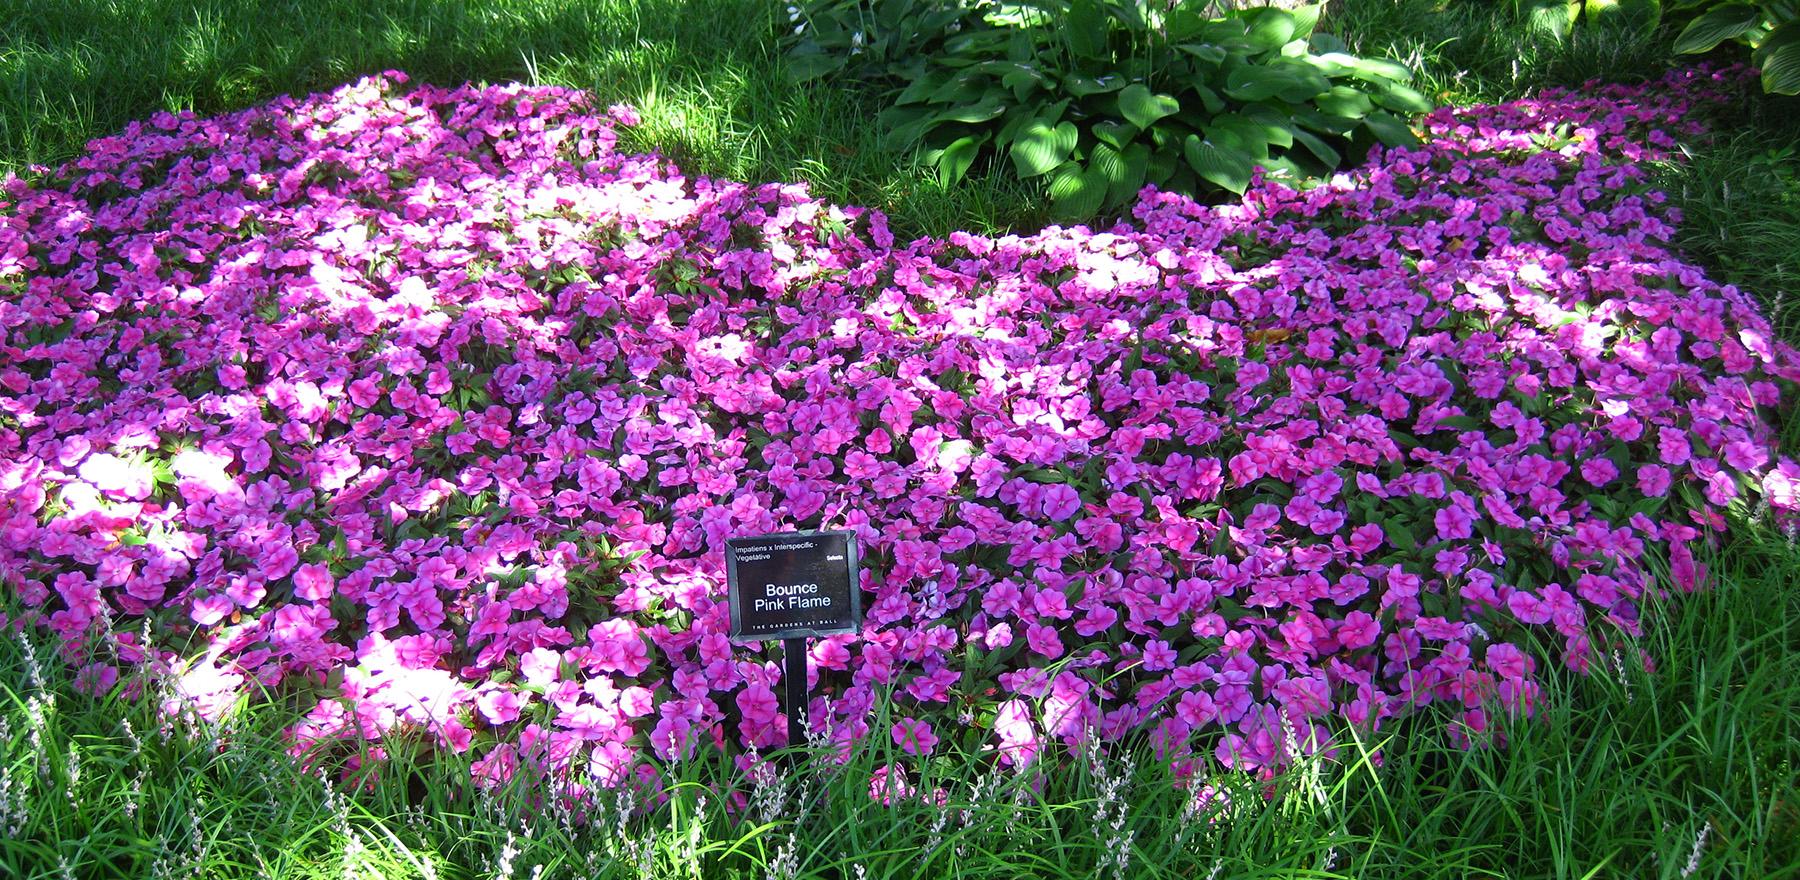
{"points": [[914, 737]]}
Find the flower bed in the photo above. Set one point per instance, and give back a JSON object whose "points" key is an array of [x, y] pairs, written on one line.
{"points": [[430, 403]]}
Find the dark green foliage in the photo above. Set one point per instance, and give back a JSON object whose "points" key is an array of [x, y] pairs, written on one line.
{"points": [[1771, 28], [1097, 98]]}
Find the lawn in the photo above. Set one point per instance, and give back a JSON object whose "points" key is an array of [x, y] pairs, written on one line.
{"points": [[672, 309]]}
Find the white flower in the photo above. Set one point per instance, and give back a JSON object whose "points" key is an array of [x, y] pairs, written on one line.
{"points": [[793, 13], [799, 27], [856, 39]]}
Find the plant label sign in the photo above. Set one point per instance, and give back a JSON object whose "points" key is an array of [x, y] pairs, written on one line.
{"points": [[793, 585]]}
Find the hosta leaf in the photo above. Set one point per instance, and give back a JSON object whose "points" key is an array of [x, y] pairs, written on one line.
{"points": [[987, 108], [1163, 165], [1124, 171], [1316, 145], [1143, 108], [1552, 17], [808, 66], [1273, 126], [1292, 81], [1086, 29], [1390, 129], [1306, 18], [1344, 101], [1076, 192], [1023, 82], [1221, 166], [905, 126], [1779, 58], [1183, 23], [1206, 52], [921, 88], [1325, 122], [1643, 14], [1239, 133], [1082, 86], [1324, 42], [954, 163], [1720, 23], [1041, 147], [1367, 69], [1114, 134], [1268, 28], [1402, 99]]}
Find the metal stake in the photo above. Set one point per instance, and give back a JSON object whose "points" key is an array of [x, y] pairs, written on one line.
{"points": [[793, 688]]}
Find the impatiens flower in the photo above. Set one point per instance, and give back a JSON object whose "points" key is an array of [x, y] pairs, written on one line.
{"points": [[118, 477], [499, 705], [914, 737], [1598, 471], [434, 393]]}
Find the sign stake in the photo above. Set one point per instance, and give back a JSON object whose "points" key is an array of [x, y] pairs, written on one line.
{"points": [[790, 587], [793, 688]]}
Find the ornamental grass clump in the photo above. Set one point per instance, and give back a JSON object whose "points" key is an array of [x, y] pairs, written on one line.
{"points": [[426, 412]]}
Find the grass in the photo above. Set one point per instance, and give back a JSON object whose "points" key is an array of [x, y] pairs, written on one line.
{"points": [[1620, 776], [704, 73]]}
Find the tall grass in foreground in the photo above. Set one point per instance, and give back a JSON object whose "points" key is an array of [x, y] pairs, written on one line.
{"points": [[1692, 769]]}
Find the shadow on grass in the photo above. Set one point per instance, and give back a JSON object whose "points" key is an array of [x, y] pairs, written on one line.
{"points": [[704, 73]]}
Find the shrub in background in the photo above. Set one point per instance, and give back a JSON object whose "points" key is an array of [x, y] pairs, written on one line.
{"points": [[1771, 28], [1100, 97], [1559, 18]]}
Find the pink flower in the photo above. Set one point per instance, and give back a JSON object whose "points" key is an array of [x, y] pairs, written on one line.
{"points": [[1060, 502], [1653, 480], [499, 705], [914, 737], [1598, 471], [1527, 607]]}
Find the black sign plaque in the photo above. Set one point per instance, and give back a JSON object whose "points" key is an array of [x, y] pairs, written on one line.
{"points": [[793, 585]]}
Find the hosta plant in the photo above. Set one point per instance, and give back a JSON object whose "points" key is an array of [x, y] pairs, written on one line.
{"points": [[1099, 97], [865, 40], [1560, 18], [1770, 28]]}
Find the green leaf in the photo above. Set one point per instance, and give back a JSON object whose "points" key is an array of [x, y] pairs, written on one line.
{"points": [[1183, 23], [1082, 86], [1077, 193], [1721, 23], [1222, 166], [1400, 98], [808, 66], [1316, 145], [1144, 109], [1292, 81], [1240, 133], [1273, 126], [1325, 42], [1269, 28], [956, 158], [982, 111], [1124, 172], [1643, 15], [1207, 52], [1344, 101], [1306, 18], [905, 126], [1086, 29], [1779, 58], [1040, 147], [1390, 129], [1023, 82], [1114, 134], [1551, 17]]}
